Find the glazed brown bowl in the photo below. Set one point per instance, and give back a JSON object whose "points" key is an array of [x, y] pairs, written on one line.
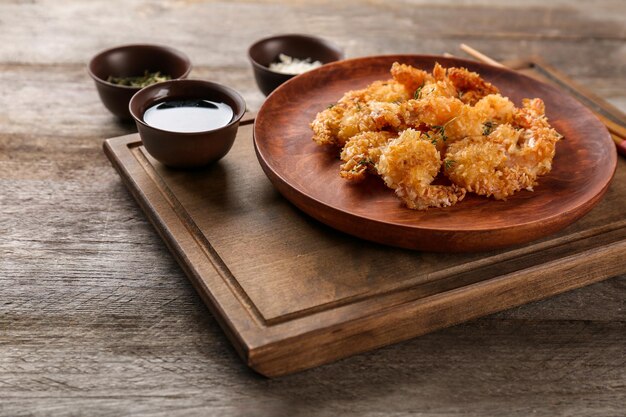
{"points": [[181, 149], [262, 53], [128, 61]]}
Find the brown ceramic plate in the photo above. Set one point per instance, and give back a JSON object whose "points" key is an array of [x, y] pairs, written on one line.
{"points": [[308, 175]]}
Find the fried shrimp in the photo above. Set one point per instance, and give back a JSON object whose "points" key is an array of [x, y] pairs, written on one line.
{"points": [[468, 120], [410, 77], [352, 114], [470, 86], [336, 125], [409, 164], [356, 111], [450, 123], [538, 139], [495, 109], [361, 154], [431, 111], [447, 118], [509, 159]]}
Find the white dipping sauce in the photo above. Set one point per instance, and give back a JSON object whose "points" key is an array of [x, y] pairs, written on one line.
{"points": [[188, 116]]}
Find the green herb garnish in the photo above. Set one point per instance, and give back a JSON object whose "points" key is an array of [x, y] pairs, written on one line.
{"points": [[442, 128], [330, 106], [432, 139], [449, 163], [418, 92], [489, 127], [140, 81]]}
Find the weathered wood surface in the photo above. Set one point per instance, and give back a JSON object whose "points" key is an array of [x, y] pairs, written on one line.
{"points": [[96, 318]]}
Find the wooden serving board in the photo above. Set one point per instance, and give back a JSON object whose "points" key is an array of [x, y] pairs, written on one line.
{"points": [[291, 293]]}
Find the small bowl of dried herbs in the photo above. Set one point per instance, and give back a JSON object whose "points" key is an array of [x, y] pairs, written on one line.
{"points": [[122, 71]]}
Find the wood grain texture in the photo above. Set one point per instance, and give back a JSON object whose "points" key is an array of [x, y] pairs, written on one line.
{"points": [[97, 319]]}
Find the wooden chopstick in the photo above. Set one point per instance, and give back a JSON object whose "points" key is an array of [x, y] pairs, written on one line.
{"points": [[479, 55], [620, 141]]}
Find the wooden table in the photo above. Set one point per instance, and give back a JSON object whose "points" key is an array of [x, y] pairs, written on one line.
{"points": [[96, 317]]}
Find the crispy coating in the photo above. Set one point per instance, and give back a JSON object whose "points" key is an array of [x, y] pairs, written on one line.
{"points": [[410, 77], [382, 104], [509, 159], [432, 110], [470, 120], [361, 154], [448, 117], [496, 109], [355, 112], [409, 164], [470, 86], [416, 126], [386, 91]]}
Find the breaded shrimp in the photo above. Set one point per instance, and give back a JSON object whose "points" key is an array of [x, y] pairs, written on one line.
{"points": [[336, 125], [410, 77], [449, 118], [509, 159], [489, 147], [409, 165], [495, 109], [387, 91], [351, 114], [470, 86], [431, 110], [470, 120], [355, 112], [361, 154]]}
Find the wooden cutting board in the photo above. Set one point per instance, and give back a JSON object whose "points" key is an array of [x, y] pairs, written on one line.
{"points": [[291, 293]]}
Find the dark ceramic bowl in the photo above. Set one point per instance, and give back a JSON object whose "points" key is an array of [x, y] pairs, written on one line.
{"points": [[262, 53], [180, 149], [128, 61]]}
